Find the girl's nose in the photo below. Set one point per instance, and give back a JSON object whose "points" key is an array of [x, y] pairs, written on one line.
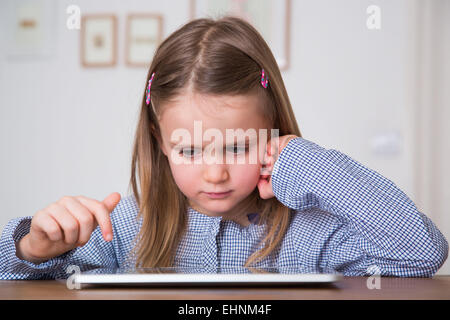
{"points": [[215, 173]]}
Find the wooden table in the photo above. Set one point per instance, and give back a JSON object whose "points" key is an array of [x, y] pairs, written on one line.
{"points": [[349, 288]]}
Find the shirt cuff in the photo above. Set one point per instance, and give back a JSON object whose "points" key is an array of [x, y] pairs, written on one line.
{"points": [[282, 172], [15, 268]]}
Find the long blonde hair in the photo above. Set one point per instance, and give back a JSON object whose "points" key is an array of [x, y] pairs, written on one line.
{"points": [[223, 56]]}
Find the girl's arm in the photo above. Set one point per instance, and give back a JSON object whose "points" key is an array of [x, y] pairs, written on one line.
{"points": [[96, 253], [382, 227]]}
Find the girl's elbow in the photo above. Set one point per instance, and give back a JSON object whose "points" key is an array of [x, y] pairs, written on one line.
{"points": [[437, 257], [442, 254]]}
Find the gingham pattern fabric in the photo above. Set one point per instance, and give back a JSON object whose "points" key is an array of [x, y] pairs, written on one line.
{"points": [[345, 218]]}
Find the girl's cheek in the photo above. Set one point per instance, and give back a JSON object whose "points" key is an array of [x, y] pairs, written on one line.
{"points": [[247, 176], [183, 177]]}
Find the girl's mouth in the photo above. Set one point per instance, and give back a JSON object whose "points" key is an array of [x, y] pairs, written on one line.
{"points": [[218, 195]]}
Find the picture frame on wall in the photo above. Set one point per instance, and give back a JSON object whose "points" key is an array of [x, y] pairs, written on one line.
{"points": [[98, 40], [30, 29], [271, 18], [144, 33]]}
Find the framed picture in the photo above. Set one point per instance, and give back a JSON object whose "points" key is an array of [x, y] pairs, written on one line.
{"points": [[30, 28], [144, 33], [271, 18], [98, 40]]}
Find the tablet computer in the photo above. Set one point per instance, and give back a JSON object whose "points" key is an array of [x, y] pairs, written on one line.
{"points": [[239, 276]]}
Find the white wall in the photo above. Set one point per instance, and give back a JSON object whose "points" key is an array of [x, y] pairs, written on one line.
{"points": [[432, 105], [69, 130]]}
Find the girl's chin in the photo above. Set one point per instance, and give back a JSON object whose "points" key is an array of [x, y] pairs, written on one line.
{"points": [[213, 210]]}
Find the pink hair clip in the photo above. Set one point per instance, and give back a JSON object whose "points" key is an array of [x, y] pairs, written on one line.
{"points": [[264, 80], [148, 89]]}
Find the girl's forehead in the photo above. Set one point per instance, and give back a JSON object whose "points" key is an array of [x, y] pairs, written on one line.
{"points": [[238, 111], [211, 104]]}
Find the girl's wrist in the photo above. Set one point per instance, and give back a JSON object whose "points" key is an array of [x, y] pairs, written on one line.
{"points": [[23, 249]]}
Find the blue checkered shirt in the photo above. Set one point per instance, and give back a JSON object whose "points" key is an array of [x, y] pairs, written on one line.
{"points": [[344, 218]]}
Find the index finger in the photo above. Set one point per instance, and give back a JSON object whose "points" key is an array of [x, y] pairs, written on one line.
{"points": [[101, 214]]}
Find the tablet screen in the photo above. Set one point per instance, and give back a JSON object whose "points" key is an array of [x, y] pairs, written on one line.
{"points": [[204, 276]]}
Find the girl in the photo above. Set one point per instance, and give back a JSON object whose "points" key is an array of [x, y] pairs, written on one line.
{"points": [[298, 206]]}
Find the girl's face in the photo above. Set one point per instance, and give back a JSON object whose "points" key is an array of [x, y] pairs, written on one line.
{"points": [[202, 160]]}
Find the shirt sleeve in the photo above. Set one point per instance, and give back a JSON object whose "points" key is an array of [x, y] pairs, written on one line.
{"points": [[383, 229], [96, 253]]}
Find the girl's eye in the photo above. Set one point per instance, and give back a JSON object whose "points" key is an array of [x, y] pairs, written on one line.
{"points": [[237, 149], [188, 152]]}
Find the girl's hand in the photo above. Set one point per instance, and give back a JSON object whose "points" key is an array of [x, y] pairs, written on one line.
{"points": [[273, 150], [65, 225]]}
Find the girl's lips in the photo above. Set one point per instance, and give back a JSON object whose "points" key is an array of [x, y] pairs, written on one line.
{"points": [[218, 195]]}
